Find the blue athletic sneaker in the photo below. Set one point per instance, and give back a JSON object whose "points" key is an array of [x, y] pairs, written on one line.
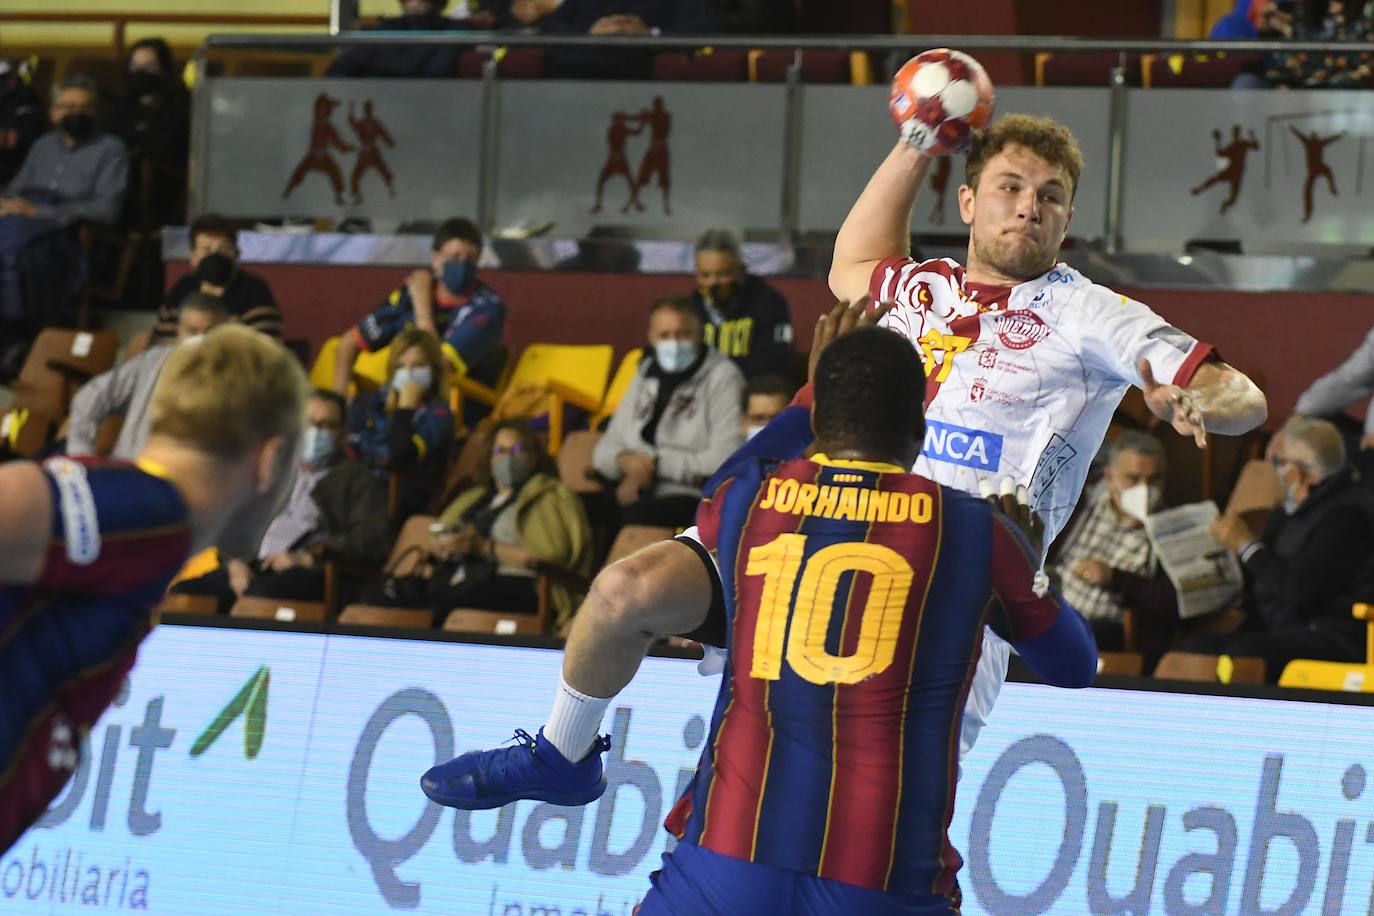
{"points": [[532, 768]]}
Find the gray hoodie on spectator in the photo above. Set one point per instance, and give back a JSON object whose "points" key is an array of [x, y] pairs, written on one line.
{"points": [[698, 431]]}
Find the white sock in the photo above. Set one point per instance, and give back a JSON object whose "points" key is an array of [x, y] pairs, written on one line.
{"points": [[575, 721]]}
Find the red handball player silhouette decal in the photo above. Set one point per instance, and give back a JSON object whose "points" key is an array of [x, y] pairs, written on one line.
{"points": [[656, 165], [317, 158], [616, 163], [1231, 158], [656, 161], [369, 130], [1315, 147]]}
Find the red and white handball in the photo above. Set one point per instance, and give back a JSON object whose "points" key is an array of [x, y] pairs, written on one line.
{"points": [[939, 98]]}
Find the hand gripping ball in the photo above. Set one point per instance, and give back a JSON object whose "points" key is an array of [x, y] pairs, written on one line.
{"points": [[939, 98]]}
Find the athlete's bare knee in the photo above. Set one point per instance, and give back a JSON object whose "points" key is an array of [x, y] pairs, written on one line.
{"points": [[622, 594], [660, 590]]}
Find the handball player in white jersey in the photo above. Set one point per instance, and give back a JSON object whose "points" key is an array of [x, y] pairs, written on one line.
{"points": [[1026, 361]]}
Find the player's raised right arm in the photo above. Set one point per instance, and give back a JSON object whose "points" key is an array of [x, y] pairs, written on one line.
{"points": [[879, 224], [25, 522]]}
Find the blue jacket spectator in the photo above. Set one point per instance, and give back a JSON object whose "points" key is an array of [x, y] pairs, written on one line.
{"points": [[1237, 25], [447, 300]]}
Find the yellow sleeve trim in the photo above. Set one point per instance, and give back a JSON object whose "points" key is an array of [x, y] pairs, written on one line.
{"points": [[420, 446]]}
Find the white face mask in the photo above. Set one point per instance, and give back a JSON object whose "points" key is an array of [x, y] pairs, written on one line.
{"points": [[420, 375], [1140, 500], [674, 355], [318, 446]]}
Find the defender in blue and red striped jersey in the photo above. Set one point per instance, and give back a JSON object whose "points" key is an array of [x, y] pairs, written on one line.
{"points": [[89, 546], [856, 595]]}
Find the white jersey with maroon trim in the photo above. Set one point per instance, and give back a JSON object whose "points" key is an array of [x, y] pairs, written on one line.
{"points": [[1022, 381]]}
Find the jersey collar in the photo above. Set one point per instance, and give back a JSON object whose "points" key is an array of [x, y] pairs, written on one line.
{"points": [[878, 467]]}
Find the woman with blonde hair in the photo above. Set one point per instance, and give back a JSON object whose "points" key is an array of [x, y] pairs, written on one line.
{"points": [[406, 428]]}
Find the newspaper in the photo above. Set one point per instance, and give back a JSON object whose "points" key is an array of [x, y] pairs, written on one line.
{"points": [[1205, 574]]}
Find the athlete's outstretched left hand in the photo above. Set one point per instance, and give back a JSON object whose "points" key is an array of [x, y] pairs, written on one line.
{"points": [[1174, 405]]}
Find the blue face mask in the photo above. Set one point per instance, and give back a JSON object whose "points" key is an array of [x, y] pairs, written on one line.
{"points": [[420, 375], [457, 275], [318, 446], [674, 355]]}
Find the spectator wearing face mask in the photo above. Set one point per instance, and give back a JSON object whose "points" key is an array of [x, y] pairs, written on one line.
{"points": [[407, 427], [127, 389], [1305, 571], [153, 118], [71, 175], [74, 172], [746, 319], [446, 300], [518, 520], [336, 511], [215, 270], [679, 420], [764, 398], [1104, 564]]}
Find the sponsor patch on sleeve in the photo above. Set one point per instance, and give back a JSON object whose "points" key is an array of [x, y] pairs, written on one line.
{"points": [[76, 502]]}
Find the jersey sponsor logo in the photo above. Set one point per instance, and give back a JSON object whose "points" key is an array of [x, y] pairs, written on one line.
{"points": [[977, 390], [1020, 330], [76, 502], [970, 448], [987, 359]]}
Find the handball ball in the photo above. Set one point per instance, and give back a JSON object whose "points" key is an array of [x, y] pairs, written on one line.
{"points": [[939, 98]]}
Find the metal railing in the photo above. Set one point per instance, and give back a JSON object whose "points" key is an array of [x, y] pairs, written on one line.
{"points": [[895, 45], [912, 42], [119, 22]]}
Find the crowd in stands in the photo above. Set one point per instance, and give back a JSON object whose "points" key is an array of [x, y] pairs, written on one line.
{"points": [[512, 530], [1302, 20]]}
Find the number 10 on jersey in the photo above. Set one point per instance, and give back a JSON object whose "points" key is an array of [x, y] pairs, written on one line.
{"points": [[801, 625]]}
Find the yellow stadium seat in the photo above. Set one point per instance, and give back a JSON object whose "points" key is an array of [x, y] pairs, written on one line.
{"points": [[548, 377], [369, 369], [620, 383], [1314, 675]]}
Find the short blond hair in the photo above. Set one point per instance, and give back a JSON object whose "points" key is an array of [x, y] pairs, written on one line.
{"points": [[434, 354], [1045, 137], [229, 391]]}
